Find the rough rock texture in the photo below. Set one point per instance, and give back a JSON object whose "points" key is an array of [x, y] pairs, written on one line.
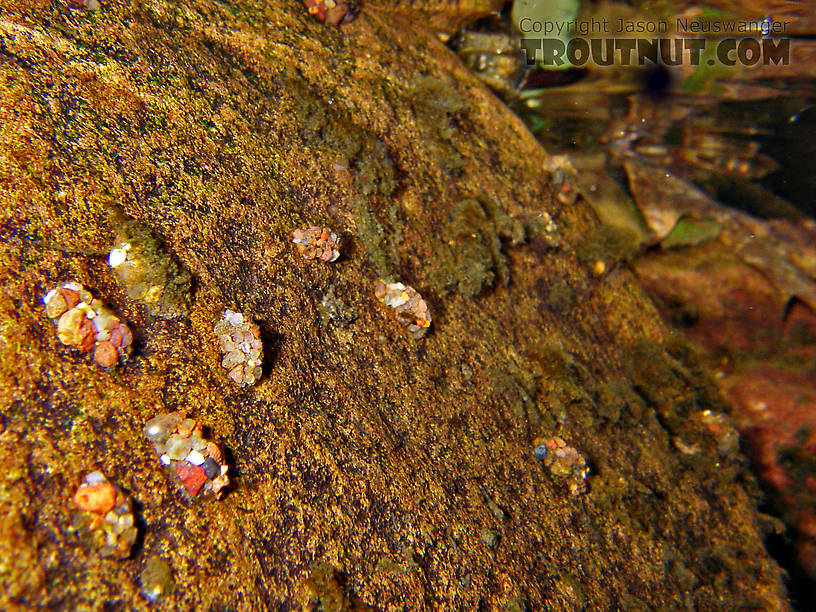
{"points": [[371, 470], [762, 345]]}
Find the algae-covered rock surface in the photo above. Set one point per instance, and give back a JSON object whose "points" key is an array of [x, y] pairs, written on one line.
{"points": [[368, 470]]}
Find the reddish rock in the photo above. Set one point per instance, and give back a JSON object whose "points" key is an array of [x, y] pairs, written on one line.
{"points": [[714, 298], [70, 296], [86, 335], [191, 476], [775, 411]]}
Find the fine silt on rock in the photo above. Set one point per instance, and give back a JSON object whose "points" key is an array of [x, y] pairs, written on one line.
{"points": [[366, 468]]}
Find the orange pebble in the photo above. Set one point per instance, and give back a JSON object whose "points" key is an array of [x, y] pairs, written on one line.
{"points": [[105, 354], [99, 498], [70, 296]]}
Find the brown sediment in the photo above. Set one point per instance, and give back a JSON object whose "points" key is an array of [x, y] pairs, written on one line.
{"points": [[369, 467]]}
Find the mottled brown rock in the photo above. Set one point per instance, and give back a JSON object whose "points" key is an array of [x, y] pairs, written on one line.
{"points": [[220, 127]]}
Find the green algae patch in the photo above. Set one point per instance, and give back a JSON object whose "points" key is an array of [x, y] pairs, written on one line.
{"points": [[471, 259], [374, 211], [379, 235], [689, 231], [148, 273], [608, 243], [440, 108]]}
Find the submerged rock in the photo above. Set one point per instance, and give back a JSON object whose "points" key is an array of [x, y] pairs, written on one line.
{"points": [[211, 122]]}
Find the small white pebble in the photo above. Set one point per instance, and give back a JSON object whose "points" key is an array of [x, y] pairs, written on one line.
{"points": [[95, 478], [234, 318], [165, 460], [153, 431], [195, 458], [84, 307], [117, 257]]}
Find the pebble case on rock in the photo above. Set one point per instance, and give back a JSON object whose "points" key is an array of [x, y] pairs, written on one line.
{"points": [[241, 348]]}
